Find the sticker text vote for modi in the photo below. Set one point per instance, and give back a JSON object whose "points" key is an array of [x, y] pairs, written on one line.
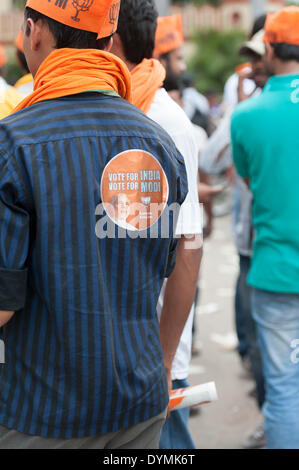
{"points": [[147, 181]]}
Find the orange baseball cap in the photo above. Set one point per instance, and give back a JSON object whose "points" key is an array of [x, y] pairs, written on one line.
{"points": [[169, 34], [96, 16], [283, 26], [19, 42], [3, 56]]}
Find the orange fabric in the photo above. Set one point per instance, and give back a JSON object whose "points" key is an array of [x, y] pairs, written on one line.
{"points": [[3, 56], [19, 42], [147, 78], [70, 71], [169, 34], [283, 26], [96, 16]]}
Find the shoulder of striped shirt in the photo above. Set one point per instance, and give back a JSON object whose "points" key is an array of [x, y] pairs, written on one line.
{"points": [[36, 114]]}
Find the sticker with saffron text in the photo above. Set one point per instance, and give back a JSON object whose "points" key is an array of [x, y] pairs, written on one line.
{"points": [[134, 190]]}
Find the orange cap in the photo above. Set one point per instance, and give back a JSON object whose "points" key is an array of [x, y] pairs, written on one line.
{"points": [[283, 26], [3, 56], [169, 35], [19, 42], [96, 16]]}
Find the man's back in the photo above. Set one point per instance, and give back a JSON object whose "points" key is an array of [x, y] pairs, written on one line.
{"points": [[83, 356], [265, 144]]}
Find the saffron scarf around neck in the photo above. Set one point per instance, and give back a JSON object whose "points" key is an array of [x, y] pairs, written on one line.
{"points": [[147, 78], [68, 72]]}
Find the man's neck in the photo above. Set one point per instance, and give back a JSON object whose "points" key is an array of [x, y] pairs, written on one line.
{"points": [[286, 68]]}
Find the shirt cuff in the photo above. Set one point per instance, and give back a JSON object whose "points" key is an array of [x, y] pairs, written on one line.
{"points": [[13, 288]]}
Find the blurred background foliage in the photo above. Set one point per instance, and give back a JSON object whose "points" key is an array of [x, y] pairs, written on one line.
{"points": [[13, 71], [215, 58]]}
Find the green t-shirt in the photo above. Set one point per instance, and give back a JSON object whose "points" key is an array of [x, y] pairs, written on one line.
{"points": [[265, 141]]}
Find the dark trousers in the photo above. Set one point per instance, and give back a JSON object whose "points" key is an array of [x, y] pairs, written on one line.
{"points": [[246, 329]]}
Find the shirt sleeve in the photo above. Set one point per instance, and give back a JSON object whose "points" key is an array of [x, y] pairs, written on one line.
{"points": [[240, 156], [14, 242], [172, 254]]}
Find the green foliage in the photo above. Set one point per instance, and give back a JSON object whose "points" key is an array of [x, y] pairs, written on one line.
{"points": [[215, 58]]}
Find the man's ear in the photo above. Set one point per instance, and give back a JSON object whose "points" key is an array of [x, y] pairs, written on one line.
{"points": [[33, 29], [109, 45]]}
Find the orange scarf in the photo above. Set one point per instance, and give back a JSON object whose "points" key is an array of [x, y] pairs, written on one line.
{"points": [[147, 78], [70, 71]]}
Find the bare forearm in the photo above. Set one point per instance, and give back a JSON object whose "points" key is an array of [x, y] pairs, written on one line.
{"points": [[179, 297], [5, 317]]}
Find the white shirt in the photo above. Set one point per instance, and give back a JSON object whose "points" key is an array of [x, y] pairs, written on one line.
{"points": [[175, 122], [230, 97]]}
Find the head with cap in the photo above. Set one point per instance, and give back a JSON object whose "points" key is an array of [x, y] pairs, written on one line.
{"points": [[135, 37], [254, 50], [169, 46], [282, 41], [79, 24]]}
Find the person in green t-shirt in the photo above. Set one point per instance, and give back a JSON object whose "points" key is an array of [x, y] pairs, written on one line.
{"points": [[265, 143]]}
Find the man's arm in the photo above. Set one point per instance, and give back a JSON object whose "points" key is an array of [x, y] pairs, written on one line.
{"points": [[179, 297], [5, 317], [238, 138]]}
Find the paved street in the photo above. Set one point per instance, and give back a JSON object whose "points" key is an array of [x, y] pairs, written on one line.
{"points": [[225, 424]]}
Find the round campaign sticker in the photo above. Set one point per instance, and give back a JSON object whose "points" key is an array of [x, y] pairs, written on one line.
{"points": [[134, 189]]}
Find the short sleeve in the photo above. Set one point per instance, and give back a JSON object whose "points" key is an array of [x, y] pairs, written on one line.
{"points": [[14, 242], [239, 154]]}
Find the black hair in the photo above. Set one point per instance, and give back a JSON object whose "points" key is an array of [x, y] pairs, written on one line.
{"points": [[22, 60], [286, 52], [66, 36], [258, 25], [137, 29]]}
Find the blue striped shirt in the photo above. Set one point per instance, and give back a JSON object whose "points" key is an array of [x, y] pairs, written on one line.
{"points": [[83, 355]]}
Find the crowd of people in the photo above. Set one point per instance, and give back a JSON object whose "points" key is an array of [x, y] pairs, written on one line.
{"points": [[106, 154]]}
